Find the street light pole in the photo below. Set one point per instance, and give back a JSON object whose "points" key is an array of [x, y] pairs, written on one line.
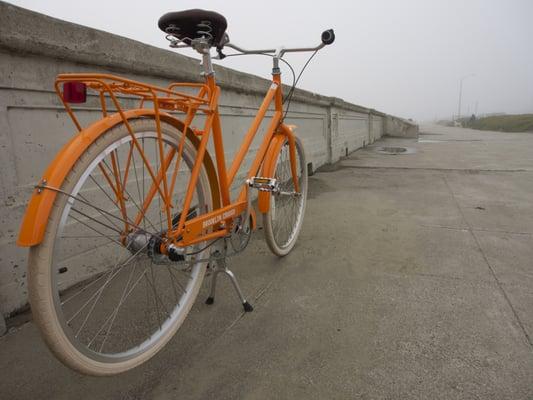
{"points": [[461, 94]]}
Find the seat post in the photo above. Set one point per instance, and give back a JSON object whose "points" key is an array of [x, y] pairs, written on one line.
{"points": [[206, 62], [202, 46]]}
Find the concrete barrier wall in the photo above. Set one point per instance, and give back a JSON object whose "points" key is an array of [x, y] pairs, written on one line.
{"points": [[33, 125], [399, 128]]}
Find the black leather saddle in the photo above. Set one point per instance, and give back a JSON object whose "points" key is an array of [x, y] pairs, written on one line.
{"points": [[191, 24]]}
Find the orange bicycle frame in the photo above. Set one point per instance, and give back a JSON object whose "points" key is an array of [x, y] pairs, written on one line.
{"points": [[214, 224]]}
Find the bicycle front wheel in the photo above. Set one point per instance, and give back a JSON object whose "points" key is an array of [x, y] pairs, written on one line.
{"points": [[102, 294], [283, 221]]}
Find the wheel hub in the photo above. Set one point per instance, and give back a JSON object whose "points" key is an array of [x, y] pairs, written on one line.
{"points": [[139, 241]]}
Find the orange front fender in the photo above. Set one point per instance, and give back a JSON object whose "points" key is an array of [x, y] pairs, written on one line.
{"points": [[269, 164], [40, 205]]}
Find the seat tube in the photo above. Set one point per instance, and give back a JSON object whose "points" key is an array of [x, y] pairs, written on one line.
{"points": [[217, 132], [221, 159]]}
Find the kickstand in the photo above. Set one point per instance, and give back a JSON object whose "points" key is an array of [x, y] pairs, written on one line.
{"points": [[221, 267]]}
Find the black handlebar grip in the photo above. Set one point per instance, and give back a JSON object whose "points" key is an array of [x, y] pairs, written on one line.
{"points": [[328, 36]]}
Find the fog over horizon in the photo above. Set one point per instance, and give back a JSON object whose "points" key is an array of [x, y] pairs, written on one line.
{"points": [[405, 58]]}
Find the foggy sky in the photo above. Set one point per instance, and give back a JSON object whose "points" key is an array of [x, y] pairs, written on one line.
{"points": [[401, 57]]}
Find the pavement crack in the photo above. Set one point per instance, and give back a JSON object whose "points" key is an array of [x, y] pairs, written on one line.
{"points": [[256, 298], [455, 228], [490, 267], [407, 274], [451, 228], [467, 170], [232, 324]]}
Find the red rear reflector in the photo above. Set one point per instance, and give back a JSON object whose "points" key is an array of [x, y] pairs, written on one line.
{"points": [[75, 92]]}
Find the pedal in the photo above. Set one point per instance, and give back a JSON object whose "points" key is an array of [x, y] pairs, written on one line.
{"points": [[263, 184]]}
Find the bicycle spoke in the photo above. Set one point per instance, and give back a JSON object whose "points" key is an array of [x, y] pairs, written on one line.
{"points": [[138, 208], [101, 213], [108, 318], [144, 191], [116, 269], [177, 280], [103, 191], [84, 237], [93, 229], [157, 298], [141, 199], [97, 208], [173, 285], [128, 163], [115, 312], [158, 195], [84, 288]]}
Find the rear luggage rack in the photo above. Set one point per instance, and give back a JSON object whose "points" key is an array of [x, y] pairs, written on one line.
{"points": [[120, 90]]}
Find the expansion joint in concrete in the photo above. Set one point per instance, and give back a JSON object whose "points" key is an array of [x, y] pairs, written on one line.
{"points": [[465, 170]]}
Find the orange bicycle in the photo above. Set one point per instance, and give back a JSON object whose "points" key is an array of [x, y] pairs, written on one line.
{"points": [[131, 211]]}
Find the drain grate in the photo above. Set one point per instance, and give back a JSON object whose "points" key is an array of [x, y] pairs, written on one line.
{"points": [[393, 150]]}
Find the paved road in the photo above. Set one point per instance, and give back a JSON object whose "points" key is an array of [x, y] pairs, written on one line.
{"points": [[413, 279]]}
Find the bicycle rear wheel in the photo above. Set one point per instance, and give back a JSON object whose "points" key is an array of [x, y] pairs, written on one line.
{"points": [[283, 221], [102, 294]]}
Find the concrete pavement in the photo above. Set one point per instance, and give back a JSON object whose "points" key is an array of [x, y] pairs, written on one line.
{"points": [[412, 279]]}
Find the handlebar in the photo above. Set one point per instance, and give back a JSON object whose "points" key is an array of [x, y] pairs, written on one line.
{"points": [[327, 38]]}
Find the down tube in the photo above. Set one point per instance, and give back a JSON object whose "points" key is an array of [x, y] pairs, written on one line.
{"points": [[248, 138]]}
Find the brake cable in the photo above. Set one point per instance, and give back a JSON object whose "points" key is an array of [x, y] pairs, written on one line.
{"points": [[288, 98]]}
